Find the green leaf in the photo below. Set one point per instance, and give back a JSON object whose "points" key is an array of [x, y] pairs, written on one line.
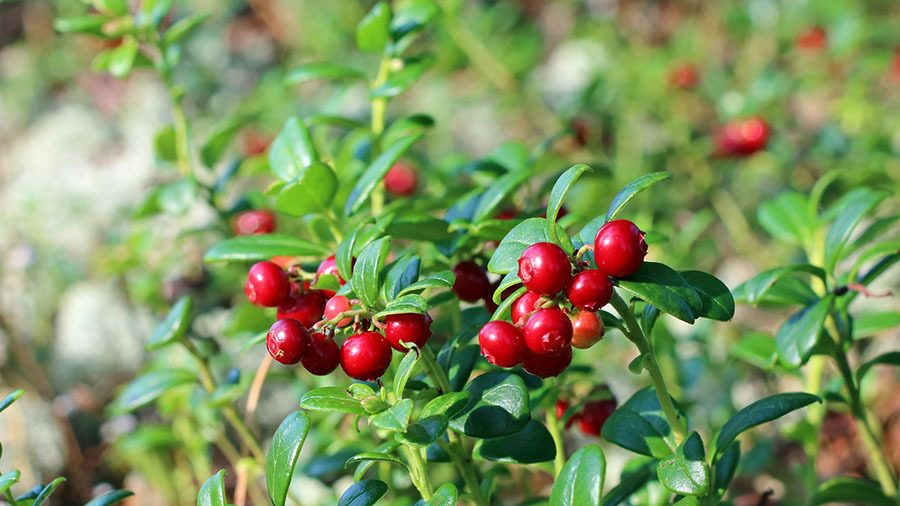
{"points": [[757, 349], [292, 150], [421, 227], [415, 15], [314, 71], [400, 274], [851, 490], [403, 79], [581, 480], [531, 445], [176, 198], [282, 457], [110, 497], [375, 173], [364, 465], [362, 458], [365, 279], [374, 29], [404, 371], [348, 247], [685, 472], [448, 404], [889, 358], [640, 425], [561, 189], [91, 24], [504, 309], [499, 406], [759, 412], [410, 303], [446, 495], [797, 336], [754, 289], [183, 28], [364, 493], [510, 279], [174, 326], [461, 365], [859, 207], [628, 485], [164, 144], [630, 191], [396, 418], [715, 298], [251, 248], [148, 387], [212, 493], [7, 479], [786, 218], [47, 491], [331, 399], [218, 142], [442, 279], [121, 59], [661, 286], [312, 192], [496, 193], [726, 467], [11, 398], [533, 230], [425, 431]]}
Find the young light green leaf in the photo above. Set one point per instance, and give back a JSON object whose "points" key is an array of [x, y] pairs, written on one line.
{"points": [[561, 189], [213, 149], [496, 193], [212, 493], [365, 279], [282, 458], [412, 17], [530, 445], [292, 150], [661, 286], [581, 480], [121, 59], [311, 192], [331, 399], [446, 495], [7, 479], [504, 309], [148, 387], [91, 24], [11, 398], [756, 288], [364, 493], [110, 497], [888, 358], [404, 371], [374, 29], [837, 241], [785, 217], [851, 490], [640, 425], [797, 336], [396, 418], [630, 191], [685, 471], [375, 173], [174, 326], [47, 491], [322, 70], [442, 279], [715, 298], [759, 412], [251, 248], [499, 406], [183, 28]]}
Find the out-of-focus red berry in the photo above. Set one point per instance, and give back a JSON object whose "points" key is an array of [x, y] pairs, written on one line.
{"points": [[401, 180], [254, 222]]}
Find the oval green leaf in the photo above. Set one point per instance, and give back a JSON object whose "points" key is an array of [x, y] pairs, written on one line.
{"points": [[531, 445], [797, 336], [251, 248], [174, 326], [376, 172], [561, 189], [365, 279], [664, 288], [322, 70], [759, 412], [630, 191], [282, 458], [331, 399], [212, 492], [685, 471], [715, 298], [148, 387], [111, 497], [311, 192], [499, 406], [364, 493], [581, 480], [292, 150], [640, 425]]}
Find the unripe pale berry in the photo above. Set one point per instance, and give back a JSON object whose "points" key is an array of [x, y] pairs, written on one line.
{"points": [[267, 284], [590, 289], [323, 355], [287, 341], [407, 328], [545, 366], [619, 248], [548, 331], [502, 343], [587, 329], [366, 356], [544, 268]]}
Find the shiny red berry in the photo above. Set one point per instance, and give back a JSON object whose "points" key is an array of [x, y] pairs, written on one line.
{"points": [[401, 180], [590, 289], [561, 406], [287, 341], [329, 266], [267, 284], [323, 355], [365, 356], [587, 329], [306, 307], [595, 414], [548, 331], [544, 268], [253, 222], [545, 366], [471, 281], [502, 343], [619, 248], [407, 328], [335, 306], [527, 304]]}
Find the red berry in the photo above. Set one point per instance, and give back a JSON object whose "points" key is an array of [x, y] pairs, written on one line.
{"points": [[502, 343], [587, 329], [527, 304], [283, 262], [742, 137], [684, 76], [812, 39], [335, 306], [366, 356], [544, 268], [548, 331], [407, 328], [506, 214], [254, 222], [267, 284], [287, 341], [401, 180], [561, 406], [471, 281], [545, 366], [306, 307], [323, 356], [619, 248], [595, 414], [329, 266], [254, 142], [589, 289]]}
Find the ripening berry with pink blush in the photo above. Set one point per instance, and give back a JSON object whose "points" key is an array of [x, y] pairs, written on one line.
{"points": [[401, 180]]}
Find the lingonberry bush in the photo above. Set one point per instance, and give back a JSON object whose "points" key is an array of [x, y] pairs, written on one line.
{"points": [[444, 332]]}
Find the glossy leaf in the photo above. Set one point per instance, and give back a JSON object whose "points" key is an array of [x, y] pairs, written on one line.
{"points": [[504, 309], [888, 358], [506, 257], [375, 173], [292, 150], [412, 17], [836, 242], [213, 149], [630, 191], [531, 445], [759, 412], [496, 193], [499, 406], [425, 431], [851, 490], [121, 59], [727, 465], [374, 29], [111, 497], [364, 457], [364, 493], [628, 485], [364, 465], [331, 399], [448, 404], [785, 217], [421, 227], [404, 371], [685, 472], [403, 79], [347, 249], [581, 480], [283, 454], [395, 418], [212, 493], [442, 279], [314, 71], [561, 189], [446, 495], [510, 279], [797, 336], [365, 279], [754, 289], [148, 387], [7, 479], [183, 28], [311, 192], [251, 248], [640, 425], [400, 274], [48, 491], [11, 398], [91, 24], [174, 326], [665, 289], [715, 298]]}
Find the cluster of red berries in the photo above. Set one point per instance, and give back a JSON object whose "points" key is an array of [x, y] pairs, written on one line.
{"points": [[544, 329], [742, 137], [365, 355], [592, 416]]}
